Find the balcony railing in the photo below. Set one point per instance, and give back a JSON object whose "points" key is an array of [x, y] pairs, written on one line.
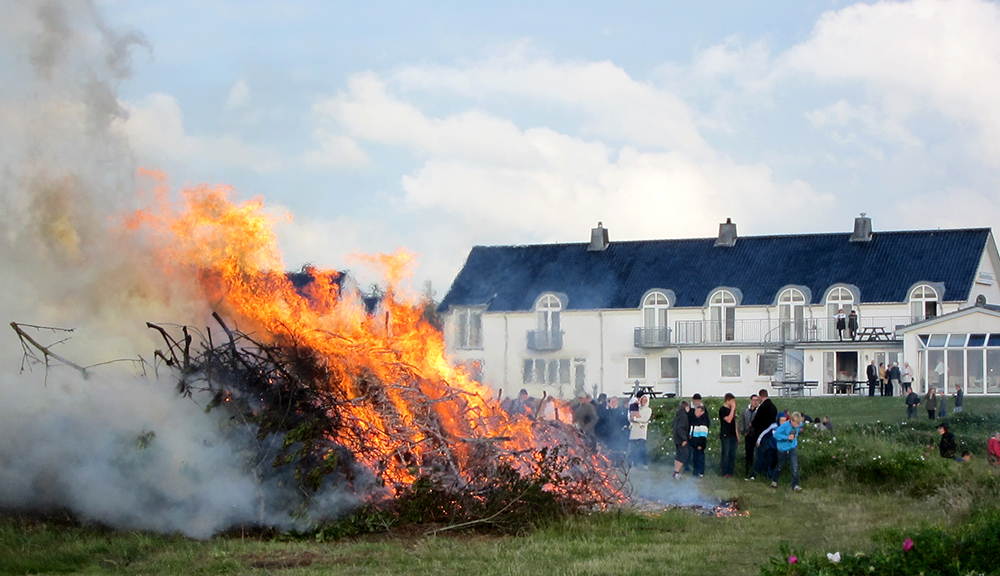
{"points": [[545, 340], [763, 330], [652, 337]]}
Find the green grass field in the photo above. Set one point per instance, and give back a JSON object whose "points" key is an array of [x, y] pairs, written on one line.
{"points": [[833, 513]]}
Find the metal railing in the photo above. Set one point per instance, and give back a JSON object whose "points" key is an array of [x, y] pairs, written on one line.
{"points": [[545, 340], [785, 331], [652, 337]]}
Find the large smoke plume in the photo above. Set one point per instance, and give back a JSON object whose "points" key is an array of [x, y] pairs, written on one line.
{"points": [[119, 447]]}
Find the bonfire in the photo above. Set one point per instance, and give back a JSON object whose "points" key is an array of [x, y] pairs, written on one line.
{"points": [[327, 389]]}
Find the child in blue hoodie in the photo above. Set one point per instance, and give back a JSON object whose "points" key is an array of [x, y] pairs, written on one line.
{"points": [[786, 437]]}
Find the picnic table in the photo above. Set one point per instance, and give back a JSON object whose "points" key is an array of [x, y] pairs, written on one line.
{"points": [[646, 390], [847, 386], [873, 333], [795, 387]]}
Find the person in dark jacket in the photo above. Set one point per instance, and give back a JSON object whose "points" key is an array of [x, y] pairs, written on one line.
{"points": [[959, 398], [895, 375], [681, 434], [766, 414], [728, 436], [912, 401], [948, 446], [852, 323], [872, 373]]}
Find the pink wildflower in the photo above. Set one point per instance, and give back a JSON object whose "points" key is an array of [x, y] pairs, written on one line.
{"points": [[793, 559], [908, 545]]}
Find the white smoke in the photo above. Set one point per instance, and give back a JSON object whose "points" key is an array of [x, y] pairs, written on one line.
{"points": [[120, 447]]}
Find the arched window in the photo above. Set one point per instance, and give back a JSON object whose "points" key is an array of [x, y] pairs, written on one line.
{"points": [[838, 299], [654, 310], [923, 303], [791, 313], [548, 309], [722, 309]]}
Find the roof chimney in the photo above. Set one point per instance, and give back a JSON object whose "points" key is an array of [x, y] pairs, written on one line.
{"points": [[727, 234], [862, 229], [598, 238]]}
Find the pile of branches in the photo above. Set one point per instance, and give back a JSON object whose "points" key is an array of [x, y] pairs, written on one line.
{"points": [[296, 413]]}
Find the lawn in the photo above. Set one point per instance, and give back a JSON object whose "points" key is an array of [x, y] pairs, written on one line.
{"points": [[841, 509]]}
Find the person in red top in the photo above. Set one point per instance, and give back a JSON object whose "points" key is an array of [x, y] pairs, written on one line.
{"points": [[993, 449]]}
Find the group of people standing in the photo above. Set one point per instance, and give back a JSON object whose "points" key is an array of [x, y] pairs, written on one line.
{"points": [[770, 438], [888, 379], [936, 404]]}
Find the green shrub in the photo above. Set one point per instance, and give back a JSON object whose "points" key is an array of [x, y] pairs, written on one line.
{"points": [[970, 549]]}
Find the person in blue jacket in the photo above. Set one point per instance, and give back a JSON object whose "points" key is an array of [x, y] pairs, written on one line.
{"points": [[786, 438]]}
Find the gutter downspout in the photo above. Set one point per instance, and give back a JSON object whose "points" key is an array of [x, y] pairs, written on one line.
{"points": [[506, 346], [600, 331], [680, 373]]}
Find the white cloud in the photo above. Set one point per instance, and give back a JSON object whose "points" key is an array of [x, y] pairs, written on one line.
{"points": [[548, 184], [335, 151], [239, 95], [156, 131], [609, 102], [913, 60]]}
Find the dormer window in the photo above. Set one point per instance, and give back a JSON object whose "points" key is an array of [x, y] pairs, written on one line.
{"points": [[791, 313], [722, 313], [838, 299], [548, 336], [923, 303], [548, 309], [654, 310]]}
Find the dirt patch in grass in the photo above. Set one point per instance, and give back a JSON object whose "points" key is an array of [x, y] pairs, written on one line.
{"points": [[286, 560]]}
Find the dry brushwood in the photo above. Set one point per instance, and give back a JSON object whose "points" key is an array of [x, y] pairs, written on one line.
{"points": [[31, 348], [323, 415]]}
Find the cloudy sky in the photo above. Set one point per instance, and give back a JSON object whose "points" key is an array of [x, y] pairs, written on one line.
{"points": [[438, 126]]}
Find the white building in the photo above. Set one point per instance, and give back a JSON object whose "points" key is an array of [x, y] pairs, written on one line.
{"points": [[715, 315]]}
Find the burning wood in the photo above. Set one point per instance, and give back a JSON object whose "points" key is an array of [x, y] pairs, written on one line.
{"points": [[319, 388], [335, 418]]}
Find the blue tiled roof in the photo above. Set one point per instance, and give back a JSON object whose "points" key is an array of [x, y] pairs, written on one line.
{"points": [[510, 278]]}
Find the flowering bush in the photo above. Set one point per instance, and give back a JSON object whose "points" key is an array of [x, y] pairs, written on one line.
{"points": [[970, 551]]}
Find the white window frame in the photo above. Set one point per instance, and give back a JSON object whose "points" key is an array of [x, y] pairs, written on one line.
{"points": [[654, 310], [628, 368], [677, 367], [722, 314], [920, 297], [838, 298], [739, 365], [547, 371], [791, 313], [548, 310], [469, 329]]}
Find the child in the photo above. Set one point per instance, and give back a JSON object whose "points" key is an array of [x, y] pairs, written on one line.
{"points": [[766, 456], [786, 438], [699, 440]]}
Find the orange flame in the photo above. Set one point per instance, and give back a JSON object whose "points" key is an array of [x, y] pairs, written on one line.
{"points": [[230, 249]]}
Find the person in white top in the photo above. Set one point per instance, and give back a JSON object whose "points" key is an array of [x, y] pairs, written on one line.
{"points": [[639, 415]]}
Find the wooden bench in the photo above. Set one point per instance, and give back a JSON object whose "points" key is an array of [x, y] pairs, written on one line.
{"points": [[847, 386], [790, 388], [646, 390], [873, 333]]}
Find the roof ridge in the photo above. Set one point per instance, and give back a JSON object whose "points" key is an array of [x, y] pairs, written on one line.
{"points": [[756, 236]]}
